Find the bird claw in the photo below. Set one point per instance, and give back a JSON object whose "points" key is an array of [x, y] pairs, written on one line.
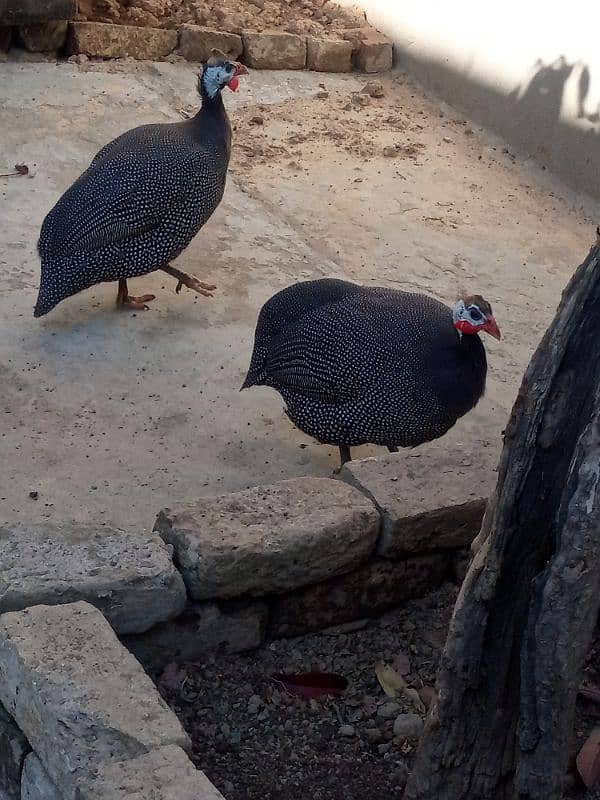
{"points": [[205, 289], [197, 285], [137, 303]]}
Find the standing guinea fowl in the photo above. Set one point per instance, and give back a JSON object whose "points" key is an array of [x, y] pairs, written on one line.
{"points": [[358, 365], [141, 201]]}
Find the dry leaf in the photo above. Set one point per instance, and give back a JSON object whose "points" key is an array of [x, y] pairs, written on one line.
{"points": [[311, 684], [391, 682], [414, 698], [173, 676], [588, 760], [428, 695]]}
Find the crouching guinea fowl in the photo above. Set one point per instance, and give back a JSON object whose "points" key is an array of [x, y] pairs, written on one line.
{"points": [[358, 365], [141, 201]]}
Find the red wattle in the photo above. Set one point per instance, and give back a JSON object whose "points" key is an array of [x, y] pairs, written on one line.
{"points": [[465, 327], [233, 84]]}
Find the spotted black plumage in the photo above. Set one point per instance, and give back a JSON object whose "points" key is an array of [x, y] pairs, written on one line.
{"points": [[140, 202], [359, 365]]}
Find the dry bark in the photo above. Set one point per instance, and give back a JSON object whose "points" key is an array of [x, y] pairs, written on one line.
{"points": [[525, 614]]}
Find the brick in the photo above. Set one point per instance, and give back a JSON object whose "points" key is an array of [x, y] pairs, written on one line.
{"points": [[373, 51], [197, 43], [365, 592], [32, 12], [329, 55], [104, 40], [419, 513], [44, 38], [129, 576], [78, 696], [274, 50], [270, 538]]}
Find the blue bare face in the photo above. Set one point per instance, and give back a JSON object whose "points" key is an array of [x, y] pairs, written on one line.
{"points": [[218, 74]]}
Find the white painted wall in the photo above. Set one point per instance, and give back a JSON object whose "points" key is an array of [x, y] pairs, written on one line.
{"points": [[529, 69]]}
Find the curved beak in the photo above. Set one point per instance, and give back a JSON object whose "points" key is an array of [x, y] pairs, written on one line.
{"points": [[492, 328]]}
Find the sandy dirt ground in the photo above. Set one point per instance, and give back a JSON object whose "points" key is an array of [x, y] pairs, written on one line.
{"points": [[110, 416]]}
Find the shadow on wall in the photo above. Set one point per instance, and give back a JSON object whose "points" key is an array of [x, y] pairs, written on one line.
{"points": [[547, 115], [546, 89]]}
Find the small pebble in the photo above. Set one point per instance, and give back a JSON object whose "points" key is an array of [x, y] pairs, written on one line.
{"points": [[346, 730], [254, 704], [360, 100], [388, 710], [408, 725], [373, 89], [373, 735], [79, 58], [390, 151]]}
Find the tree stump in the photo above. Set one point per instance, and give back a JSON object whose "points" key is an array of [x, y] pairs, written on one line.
{"points": [[525, 614]]}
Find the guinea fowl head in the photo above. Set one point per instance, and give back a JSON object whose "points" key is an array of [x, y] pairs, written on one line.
{"points": [[472, 314], [219, 72]]}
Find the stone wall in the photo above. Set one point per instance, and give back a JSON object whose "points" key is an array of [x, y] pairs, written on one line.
{"points": [[78, 715], [48, 30]]}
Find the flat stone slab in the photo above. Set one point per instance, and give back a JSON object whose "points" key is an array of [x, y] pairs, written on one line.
{"points": [[36, 784], [203, 628], [270, 538], [13, 749], [274, 50], [375, 587], [32, 12], [129, 577], [196, 43], [428, 500], [101, 39], [163, 774], [77, 694]]}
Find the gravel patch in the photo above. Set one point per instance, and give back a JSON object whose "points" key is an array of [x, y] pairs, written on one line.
{"points": [[254, 740]]}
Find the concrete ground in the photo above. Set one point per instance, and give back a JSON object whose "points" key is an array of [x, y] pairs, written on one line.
{"points": [[110, 416]]}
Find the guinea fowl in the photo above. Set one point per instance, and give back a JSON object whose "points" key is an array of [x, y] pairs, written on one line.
{"points": [[141, 201], [358, 365]]}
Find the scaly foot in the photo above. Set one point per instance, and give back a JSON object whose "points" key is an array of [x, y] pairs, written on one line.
{"points": [[125, 300], [136, 303], [196, 285]]}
